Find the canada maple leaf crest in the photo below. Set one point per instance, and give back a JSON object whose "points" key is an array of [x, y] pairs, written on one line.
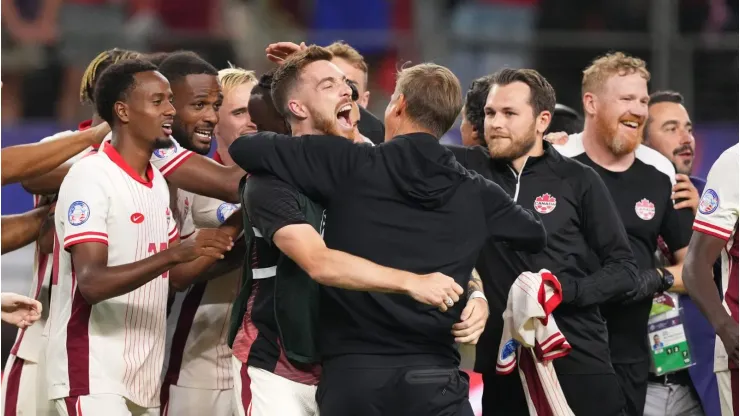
{"points": [[645, 209], [545, 204]]}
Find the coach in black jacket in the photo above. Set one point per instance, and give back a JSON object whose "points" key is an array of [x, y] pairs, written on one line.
{"points": [[405, 204], [587, 247]]}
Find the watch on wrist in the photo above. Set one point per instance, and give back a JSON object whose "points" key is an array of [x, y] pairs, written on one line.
{"points": [[668, 278]]}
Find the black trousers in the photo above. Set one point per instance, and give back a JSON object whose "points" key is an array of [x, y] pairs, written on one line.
{"points": [[633, 378], [354, 386], [587, 395]]}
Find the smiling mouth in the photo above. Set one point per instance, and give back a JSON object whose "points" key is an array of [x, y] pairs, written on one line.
{"points": [[343, 116], [167, 129], [204, 134], [630, 124]]}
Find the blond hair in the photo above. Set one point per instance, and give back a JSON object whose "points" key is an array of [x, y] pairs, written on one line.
{"points": [[433, 96], [342, 50], [603, 67], [96, 67], [233, 76]]}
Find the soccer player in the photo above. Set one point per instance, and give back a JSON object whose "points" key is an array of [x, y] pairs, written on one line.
{"points": [[117, 244], [716, 235], [640, 180], [581, 221], [198, 377], [25, 381], [471, 128], [406, 205]]}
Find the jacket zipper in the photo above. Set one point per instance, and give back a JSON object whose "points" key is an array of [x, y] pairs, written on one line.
{"points": [[518, 177]]}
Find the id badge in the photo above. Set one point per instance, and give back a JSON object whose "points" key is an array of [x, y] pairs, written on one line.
{"points": [[669, 349]]}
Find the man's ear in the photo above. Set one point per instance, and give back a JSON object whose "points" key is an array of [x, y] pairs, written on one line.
{"points": [[400, 107], [543, 121], [298, 110], [589, 103], [120, 110]]}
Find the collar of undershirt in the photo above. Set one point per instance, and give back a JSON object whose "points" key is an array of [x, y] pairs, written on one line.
{"points": [[116, 158]]}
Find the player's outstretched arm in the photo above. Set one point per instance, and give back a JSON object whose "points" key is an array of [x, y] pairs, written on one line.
{"points": [[205, 268], [30, 160], [697, 276], [22, 229], [335, 268], [202, 176], [98, 282]]}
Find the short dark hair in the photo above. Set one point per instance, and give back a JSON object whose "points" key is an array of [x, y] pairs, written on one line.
{"points": [[542, 94], [475, 101], [565, 119], [658, 97], [665, 97], [286, 76], [265, 81], [115, 84], [180, 64], [96, 67], [157, 57]]}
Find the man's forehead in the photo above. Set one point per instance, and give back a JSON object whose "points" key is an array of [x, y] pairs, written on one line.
{"points": [[318, 70], [626, 83], [150, 82], [668, 110], [516, 92], [199, 82]]}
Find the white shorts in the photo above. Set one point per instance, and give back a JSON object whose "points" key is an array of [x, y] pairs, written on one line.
{"points": [[727, 383], [102, 404], [24, 388], [190, 401], [275, 395], [242, 393]]}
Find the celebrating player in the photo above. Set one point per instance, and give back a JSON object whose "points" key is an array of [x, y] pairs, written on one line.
{"points": [[118, 242], [716, 234]]}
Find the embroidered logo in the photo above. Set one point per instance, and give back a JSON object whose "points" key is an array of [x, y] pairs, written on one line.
{"points": [[645, 209], [709, 202], [224, 211], [137, 218], [165, 153], [78, 213], [509, 349], [545, 204]]}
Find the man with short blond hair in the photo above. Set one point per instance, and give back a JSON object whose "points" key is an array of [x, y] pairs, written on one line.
{"points": [[406, 205], [349, 61], [640, 181]]}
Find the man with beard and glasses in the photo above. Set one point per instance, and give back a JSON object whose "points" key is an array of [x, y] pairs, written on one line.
{"points": [[118, 251], [587, 248], [198, 377], [640, 180], [406, 204]]}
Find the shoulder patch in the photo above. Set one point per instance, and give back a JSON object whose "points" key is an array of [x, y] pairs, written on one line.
{"points": [[509, 349], [709, 202], [165, 153], [224, 211], [78, 213]]}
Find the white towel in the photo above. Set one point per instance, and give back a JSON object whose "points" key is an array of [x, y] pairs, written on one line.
{"points": [[532, 336]]}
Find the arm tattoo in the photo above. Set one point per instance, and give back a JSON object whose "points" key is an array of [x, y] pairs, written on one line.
{"points": [[475, 283]]}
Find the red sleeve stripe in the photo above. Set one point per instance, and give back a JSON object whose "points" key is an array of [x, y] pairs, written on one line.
{"points": [[174, 237], [182, 237], [172, 232], [710, 229], [86, 234], [92, 239], [175, 163]]}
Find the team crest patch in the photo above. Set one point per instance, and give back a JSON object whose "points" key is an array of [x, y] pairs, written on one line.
{"points": [[78, 213], [224, 211], [509, 349], [545, 204], [709, 202], [165, 153], [645, 209]]}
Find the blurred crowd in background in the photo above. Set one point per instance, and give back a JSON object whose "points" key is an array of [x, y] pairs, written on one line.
{"points": [[691, 46]]}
